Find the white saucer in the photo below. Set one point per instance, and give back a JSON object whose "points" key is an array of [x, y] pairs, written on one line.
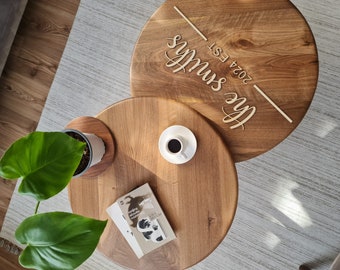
{"points": [[189, 144]]}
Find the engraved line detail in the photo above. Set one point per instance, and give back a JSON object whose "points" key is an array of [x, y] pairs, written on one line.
{"points": [[273, 104], [190, 23]]}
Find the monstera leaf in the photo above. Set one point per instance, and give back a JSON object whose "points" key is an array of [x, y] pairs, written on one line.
{"points": [[45, 161], [58, 240]]}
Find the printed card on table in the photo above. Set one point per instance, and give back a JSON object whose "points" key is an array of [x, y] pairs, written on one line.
{"points": [[141, 220]]}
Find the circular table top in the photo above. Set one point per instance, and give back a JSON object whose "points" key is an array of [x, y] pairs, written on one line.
{"points": [[199, 198], [251, 67]]}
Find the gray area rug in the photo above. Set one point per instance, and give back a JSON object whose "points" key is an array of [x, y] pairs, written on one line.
{"points": [[289, 209]]}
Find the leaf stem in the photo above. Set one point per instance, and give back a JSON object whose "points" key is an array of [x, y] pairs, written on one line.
{"points": [[36, 208]]}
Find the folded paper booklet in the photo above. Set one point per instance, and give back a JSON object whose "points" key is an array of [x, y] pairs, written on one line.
{"points": [[141, 220]]}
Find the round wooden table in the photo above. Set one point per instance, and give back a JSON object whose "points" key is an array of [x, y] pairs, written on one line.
{"points": [[199, 197], [250, 66]]}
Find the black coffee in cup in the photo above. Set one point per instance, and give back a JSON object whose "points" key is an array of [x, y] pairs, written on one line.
{"points": [[174, 146]]}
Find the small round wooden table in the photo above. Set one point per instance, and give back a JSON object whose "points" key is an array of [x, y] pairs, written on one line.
{"points": [[250, 67], [199, 197]]}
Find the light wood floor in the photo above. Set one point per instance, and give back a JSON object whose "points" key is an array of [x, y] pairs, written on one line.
{"points": [[26, 80]]}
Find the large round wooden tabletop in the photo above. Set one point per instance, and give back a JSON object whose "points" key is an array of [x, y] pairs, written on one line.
{"points": [[250, 66], [199, 197]]}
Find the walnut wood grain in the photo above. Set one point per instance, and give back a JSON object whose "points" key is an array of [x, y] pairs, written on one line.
{"points": [[29, 72], [199, 198], [26, 80], [274, 50], [8, 258]]}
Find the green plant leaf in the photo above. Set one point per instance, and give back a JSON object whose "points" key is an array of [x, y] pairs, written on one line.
{"points": [[58, 240], [45, 161]]}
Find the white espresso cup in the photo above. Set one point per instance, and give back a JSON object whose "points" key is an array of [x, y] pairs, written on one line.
{"points": [[175, 146]]}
